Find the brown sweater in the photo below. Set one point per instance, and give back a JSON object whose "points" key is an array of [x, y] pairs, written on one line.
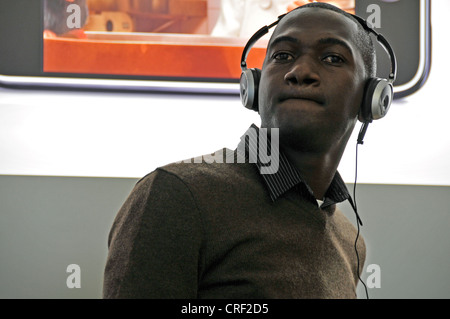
{"points": [[212, 231]]}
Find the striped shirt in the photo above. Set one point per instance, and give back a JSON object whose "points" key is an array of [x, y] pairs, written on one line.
{"points": [[285, 176]]}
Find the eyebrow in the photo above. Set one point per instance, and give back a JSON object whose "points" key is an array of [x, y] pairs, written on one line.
{"points": [[283, 39], [335, 41], [322, 41]]}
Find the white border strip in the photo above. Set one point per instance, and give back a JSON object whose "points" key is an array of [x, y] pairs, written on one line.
{"points": [[141, 85]]}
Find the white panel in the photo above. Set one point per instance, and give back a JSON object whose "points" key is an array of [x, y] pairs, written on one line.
{"points": [[128, 135]]}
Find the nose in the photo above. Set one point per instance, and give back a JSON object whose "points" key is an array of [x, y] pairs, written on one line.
{"points": [[303, 72]]}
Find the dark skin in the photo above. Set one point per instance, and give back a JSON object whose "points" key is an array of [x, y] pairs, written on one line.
{"points": [[311, 88]]}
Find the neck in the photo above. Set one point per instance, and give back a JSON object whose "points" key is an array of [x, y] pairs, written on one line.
{"points": [[317, 169]]}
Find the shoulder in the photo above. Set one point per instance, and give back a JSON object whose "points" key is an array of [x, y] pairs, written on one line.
{"points": [[207, 170], [215, 177]]}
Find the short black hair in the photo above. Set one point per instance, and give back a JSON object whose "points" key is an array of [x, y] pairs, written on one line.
{"points": [[362, 39]]}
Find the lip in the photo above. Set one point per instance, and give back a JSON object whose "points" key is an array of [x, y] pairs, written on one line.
{"points": [[303, 96]]}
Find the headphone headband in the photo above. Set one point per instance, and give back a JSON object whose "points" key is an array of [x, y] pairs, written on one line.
{"points": [[251, 42], [384, 43], [380, 38]]}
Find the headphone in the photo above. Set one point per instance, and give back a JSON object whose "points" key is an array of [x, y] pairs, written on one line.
{"points": [[378, 92]]}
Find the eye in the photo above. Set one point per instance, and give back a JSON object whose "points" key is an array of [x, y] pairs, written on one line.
{"points": [[282, 56], [333, 59]]}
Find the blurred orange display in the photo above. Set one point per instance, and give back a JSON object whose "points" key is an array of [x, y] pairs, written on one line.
{"points": [[153, 38], [149, 55]]}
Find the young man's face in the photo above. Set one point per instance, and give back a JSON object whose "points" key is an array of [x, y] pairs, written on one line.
{"points": [[313, 78]]}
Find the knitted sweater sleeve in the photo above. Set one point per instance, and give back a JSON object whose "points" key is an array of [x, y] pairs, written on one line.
{"points": [[155, 241]]}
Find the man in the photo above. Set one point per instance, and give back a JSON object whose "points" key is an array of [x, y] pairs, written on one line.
{"points": [[225, 229]]}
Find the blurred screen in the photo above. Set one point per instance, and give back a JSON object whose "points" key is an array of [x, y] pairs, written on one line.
{"points": [[158, 39]]}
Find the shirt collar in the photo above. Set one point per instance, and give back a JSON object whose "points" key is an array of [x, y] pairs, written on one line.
{"points": [[286, 176]]}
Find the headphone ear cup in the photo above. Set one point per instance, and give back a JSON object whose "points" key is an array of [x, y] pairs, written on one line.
{"points": [[249, 86], [378, 95]]}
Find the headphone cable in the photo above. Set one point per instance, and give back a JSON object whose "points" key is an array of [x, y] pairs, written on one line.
{"points": [[358, 220]]}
